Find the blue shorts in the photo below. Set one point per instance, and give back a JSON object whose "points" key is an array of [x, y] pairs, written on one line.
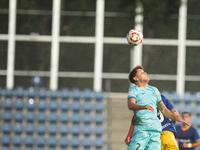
{"points": [[145, 140]]}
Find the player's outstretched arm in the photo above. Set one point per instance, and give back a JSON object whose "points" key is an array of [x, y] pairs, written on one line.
{"points": [[167, 113], [175, 112], [133, 106]]}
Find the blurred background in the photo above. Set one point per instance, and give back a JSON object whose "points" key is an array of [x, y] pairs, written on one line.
{"points": [[70, 60]]}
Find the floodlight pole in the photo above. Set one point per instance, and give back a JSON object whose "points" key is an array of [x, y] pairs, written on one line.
{"points": [[180, 85]]}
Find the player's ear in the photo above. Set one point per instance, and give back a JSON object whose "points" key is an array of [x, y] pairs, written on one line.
{"points": [[135, 78]]}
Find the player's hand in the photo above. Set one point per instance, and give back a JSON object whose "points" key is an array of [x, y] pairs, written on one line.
{"points": [[185, 145], [127, 141], [183, 121], [149, 107]]}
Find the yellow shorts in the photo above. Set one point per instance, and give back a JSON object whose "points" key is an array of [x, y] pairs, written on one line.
{"points": [[168, 141]]}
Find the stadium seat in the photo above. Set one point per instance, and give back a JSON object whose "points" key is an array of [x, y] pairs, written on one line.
{"points": [[166, 94], [30, 116], [87, 118], [175, 97], [64, 105], [7, 103], [53, 105], [18, 116], [7, 116], [187, 97], [5, 139], [98, 130], [40, 141], [197, 109], [197, 97], [99, 106], [0, 90], [52, 141], [76, 94], [98, 118], [6, 127], [41, 105], [30, 104], [75, 142], [8, 92], [87, 142], [188, 108], [98, 142], [75, 129], [198, 121], [17, 140], [19, 104], [41, 117], [31, 92], [41, 129], [63, 129], [28, 140], [178, 107], [19, 92], [64, 93], [17, 128], [63, 142], [87, 130], [99, 95], [87, 106], [76, 118], [76, 106], [5, 147], [29, 128], [52, 117], [87, 94], [52, 129], [64, 117], [42, 92], [53, 94], [36, 80]]}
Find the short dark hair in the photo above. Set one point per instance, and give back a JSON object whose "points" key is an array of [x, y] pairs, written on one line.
{"points": [[133, 72], [185, 112]]}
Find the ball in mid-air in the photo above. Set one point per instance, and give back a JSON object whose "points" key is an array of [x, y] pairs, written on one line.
{"points": [[134, 37]]}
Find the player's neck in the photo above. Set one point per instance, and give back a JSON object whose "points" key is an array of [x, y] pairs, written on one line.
{"points": [[142, 84]]}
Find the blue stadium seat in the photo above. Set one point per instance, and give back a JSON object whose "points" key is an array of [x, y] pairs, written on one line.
{"points": [[30, 116], [87, 142], [36, 80], [29, 128], [63, 142], [6, 128], [75, 129], [65, 93], [40, 141], [76, 93], [5, 147], [41, 129], [197, 109], [99, 106], [52, 117], [31, 92], [17, 128], [8, 92], [19, 104], [17, 140], [30, 104], [5, 140], [41, 117], [63, 129], [7, 116], [53, 94], [18, 116], [99, 95], [98, 142], [7, 103], [42, 93], [64, 105], [75, 142], [187, 97], [19, 92], [52, 141], [64, 117], [87, 106], [41, 105], [76, 106], [87, 94], [87, 118], [166, 94], [198, 121], [53, 105], [188, 108], [52, 128], [87, 130], [99, 118], [98, 130], [28, 140], [197, 97], [175, 97], [177, 106], [76, 118]]}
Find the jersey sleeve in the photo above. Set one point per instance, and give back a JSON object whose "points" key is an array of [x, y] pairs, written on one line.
{"points": [[196, 135], [167, 103], [159, 99], [132, 92]]}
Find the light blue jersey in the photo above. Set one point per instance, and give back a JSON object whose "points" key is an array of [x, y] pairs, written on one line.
{"points": [[146, 120]]}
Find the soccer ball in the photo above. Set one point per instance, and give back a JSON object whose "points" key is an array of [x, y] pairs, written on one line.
{"points": [[134, 37]]}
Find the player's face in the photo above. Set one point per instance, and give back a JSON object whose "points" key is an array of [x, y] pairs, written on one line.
{"points": [[142, 76], [186, 117]]}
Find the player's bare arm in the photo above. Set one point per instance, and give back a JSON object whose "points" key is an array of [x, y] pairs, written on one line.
{"points": [[133, 106], [175, 112], [167, 113]]}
